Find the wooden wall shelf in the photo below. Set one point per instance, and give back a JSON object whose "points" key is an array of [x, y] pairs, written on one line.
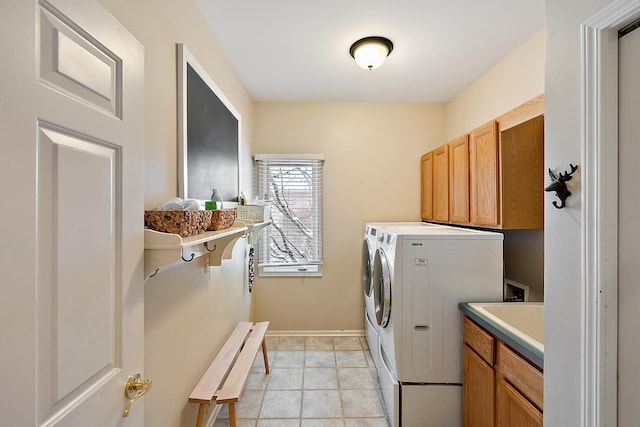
{"points": [[165, 250]]}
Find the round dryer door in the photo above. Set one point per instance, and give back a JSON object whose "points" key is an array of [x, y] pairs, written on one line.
{"points": [[382, 288], [367, 268]]}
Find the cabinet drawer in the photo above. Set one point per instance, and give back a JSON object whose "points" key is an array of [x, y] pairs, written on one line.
{"points": [[479, 340], [521, 374]]}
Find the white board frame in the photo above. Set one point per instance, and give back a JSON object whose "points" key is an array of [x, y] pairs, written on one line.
{"points": [[185, 57]]}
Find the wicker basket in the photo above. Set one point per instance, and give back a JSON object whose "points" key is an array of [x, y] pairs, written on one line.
{"points": [[222, 219], [183, 222], [253, 213]]}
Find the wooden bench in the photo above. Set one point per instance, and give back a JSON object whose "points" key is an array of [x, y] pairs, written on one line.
{"points": [[224, 380]]}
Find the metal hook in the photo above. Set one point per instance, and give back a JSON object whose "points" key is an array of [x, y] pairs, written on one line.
{"points": [[559, 185], [206, 245], [188, 260], [155, 272]]}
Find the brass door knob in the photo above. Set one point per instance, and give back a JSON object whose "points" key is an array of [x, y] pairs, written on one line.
{"points": [[134, 389]]}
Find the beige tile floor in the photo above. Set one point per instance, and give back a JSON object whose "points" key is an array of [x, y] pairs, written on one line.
{"points": [[314, 382]]}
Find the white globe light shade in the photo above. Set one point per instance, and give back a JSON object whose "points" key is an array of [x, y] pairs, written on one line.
{"points": [[371, 52]]}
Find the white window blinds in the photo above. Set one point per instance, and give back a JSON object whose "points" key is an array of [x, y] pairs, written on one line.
{"points": [[292, 186]]}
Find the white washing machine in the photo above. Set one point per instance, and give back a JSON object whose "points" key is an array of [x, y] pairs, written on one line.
{"points": [[369, 247], [420, 275]]}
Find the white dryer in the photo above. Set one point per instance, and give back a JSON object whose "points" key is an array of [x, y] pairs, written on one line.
{"points": [[420, 275], [369, 246]]}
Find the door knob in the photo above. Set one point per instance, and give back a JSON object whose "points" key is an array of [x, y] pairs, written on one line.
{"points": [[134, 389]]}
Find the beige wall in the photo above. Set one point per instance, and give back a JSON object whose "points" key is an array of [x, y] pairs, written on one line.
{"points": [[188, 313], [515, 79], [372, 173]]}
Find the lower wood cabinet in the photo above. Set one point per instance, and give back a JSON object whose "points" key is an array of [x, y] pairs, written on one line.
{"points": [[477, 390], [514, 409], [500, 388]]}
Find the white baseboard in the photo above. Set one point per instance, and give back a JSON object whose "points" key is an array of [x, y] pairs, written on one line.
{"points": [[320, 333]]}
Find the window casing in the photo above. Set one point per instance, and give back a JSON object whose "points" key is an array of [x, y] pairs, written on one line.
{"points": [[291, 185]]}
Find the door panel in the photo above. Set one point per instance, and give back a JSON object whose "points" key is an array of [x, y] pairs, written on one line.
{"points": [[459, 180], [426, 186], [77, 195], [483, 175], [73, 62], [441, 183], [72, 310]]}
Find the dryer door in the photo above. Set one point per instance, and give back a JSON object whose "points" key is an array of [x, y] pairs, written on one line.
{"points": [[382, 288], [366, 268]]}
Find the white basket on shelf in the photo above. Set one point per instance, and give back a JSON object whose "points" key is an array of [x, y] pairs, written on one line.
{"points": [[253, 213]]}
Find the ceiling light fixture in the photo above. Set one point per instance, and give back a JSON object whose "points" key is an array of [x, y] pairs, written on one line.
{"points": [[370, 52]]}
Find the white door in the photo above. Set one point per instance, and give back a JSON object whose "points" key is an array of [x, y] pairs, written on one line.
{"points": [[628, 232], [71, 281]]}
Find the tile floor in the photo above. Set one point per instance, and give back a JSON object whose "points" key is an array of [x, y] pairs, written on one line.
{"points": [[314, 382]]}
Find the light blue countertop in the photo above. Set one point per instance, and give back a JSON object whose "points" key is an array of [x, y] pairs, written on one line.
{"points": [[534, 355]]}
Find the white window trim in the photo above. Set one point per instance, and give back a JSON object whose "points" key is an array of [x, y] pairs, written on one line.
{"points": [[313, 269]]}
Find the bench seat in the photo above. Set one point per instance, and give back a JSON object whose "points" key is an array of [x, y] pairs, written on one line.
{"points": [[224, 380]]}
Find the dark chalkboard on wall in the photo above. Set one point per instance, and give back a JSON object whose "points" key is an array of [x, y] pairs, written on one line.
{"points": [[209, 148]]}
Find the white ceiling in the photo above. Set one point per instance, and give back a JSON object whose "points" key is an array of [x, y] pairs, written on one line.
{"points": [[298, 50]]}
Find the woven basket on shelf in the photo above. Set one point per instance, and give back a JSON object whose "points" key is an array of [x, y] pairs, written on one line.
{"points": [[222, 219], [183, 222]]}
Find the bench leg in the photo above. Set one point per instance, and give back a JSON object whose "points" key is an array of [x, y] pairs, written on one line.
{"points": [[201, 412], [232, 414], [264, 356]]}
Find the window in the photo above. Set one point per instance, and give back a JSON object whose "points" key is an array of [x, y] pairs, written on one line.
{"points": [[292, 186]]}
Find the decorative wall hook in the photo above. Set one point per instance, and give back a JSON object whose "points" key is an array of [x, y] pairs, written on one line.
{"points": [[558, 184]]}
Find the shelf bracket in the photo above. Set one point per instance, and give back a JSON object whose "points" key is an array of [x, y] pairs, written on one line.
{"points": [[165, 250]]}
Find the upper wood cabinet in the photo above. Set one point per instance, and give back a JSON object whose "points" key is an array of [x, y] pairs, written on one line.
{"points": [[426, 186], [441, 184], [506, 175], [483, 175], [493, 177], [522, 174], [459, 180]]}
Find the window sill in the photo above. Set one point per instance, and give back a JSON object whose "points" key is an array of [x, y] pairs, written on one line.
{"points": [[306, 270]]}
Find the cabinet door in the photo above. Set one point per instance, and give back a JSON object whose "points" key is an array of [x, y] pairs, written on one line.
{"points": [[522, 175], [483, 179], [459, 180], [477, 390], [441, 183], [513, 409], [426, 187]]}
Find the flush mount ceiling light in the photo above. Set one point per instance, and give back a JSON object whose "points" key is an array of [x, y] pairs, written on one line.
{"points": [[370, 52]]}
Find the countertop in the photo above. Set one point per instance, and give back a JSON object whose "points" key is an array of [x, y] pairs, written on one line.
{"points": [[525, 349]]}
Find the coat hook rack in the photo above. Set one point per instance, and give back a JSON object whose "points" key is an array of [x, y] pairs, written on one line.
{"points": [[558, 184]]}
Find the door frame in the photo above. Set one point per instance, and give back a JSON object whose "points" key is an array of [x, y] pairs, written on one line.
{"points": [[599, 255]]}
